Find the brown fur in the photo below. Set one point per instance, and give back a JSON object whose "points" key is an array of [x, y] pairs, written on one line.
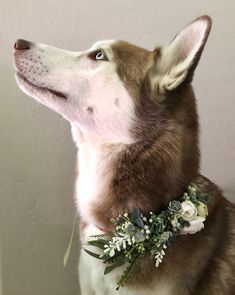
{"points": [[158, 168], [154, 162]]}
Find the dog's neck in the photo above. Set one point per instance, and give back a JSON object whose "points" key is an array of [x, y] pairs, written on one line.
{"points": [[95, 176], [114, 179]]}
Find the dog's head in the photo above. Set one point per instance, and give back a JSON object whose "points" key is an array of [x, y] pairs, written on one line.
{"points": [[114, 91]]}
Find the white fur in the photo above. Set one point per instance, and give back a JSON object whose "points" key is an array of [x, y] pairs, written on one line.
{"points": [[94, 176], [88, 84]]}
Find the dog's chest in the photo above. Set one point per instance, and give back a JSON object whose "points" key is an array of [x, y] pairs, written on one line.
{"points": [[94, 282]]}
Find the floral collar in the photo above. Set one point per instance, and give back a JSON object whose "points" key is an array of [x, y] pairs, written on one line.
{"points": [[135, 234]]}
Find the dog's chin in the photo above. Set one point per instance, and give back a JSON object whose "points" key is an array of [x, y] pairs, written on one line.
{"points": [[52, 99], [29, 88], [38, 92]]}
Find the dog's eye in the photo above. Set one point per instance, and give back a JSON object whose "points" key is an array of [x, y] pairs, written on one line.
{"points": [[98, 55]]}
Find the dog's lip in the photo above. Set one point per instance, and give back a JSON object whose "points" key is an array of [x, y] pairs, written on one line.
{"points": [[57, 93], [52, 91]]}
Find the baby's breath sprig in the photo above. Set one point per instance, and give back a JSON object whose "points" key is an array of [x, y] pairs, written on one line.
{"points": [[135, 234]]}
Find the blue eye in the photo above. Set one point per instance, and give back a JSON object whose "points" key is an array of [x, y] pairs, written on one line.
{"points": [[100, 55]]}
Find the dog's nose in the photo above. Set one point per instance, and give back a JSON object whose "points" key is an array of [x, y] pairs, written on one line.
{"points": [[22, 44]]}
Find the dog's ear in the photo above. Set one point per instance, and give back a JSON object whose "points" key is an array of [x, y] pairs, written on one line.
{"points": [[175, 64]]}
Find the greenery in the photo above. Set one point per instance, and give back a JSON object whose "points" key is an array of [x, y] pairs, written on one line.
{"points": [[135, 234]]}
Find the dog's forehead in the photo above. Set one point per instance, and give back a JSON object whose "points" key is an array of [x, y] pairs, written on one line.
{"points": [[103, 44], [122, 50]]}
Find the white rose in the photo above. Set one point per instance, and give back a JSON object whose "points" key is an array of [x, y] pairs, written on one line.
{"points": [[195, 225], [189, 211]]}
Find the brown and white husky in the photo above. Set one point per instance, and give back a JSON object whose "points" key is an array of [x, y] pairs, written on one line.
{"points": [[134, 120]]}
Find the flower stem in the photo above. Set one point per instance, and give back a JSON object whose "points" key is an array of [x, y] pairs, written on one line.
{"points": [[127, 271]]}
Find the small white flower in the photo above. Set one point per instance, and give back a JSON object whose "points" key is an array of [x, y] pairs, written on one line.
{"points": [[146, 227], [144, 219], [142, 231], [112, 253], [195, 225], [158, 261], [118, 247], [150, 220], [147, 231], [147, 237], [189, 211], [124, 244]]}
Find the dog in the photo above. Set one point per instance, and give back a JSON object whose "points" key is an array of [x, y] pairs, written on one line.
{"points": [[134, 120]]}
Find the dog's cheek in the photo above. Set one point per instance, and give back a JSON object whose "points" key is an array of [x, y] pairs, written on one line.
{"points": [[113, 122], [104, 107]]}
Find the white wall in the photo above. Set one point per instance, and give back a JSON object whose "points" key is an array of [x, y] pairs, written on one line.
{"points": [[36, 151]]}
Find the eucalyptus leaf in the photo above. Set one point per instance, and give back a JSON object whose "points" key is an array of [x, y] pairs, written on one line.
{"points": [[136, 218], [135, 213], [139, 222], [139, 237], [130, 228], [93, 254]]}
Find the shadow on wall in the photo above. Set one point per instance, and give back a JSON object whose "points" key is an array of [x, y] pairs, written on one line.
{"points": [[230, 193]]}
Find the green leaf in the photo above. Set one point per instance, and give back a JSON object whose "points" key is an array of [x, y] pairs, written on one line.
{"points": [[98, 243], [93, 254], [109, 259], [118, 262], [126, 272]]}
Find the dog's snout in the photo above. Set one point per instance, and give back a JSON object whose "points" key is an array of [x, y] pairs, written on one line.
{"points": [[21, 44]]}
